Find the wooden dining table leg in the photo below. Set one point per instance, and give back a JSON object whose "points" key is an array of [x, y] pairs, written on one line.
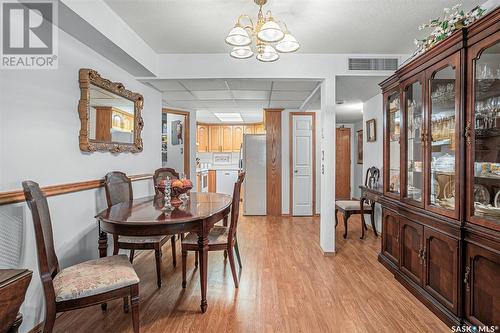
{"points": [[203, 253], [363, 223], [372, 216]]}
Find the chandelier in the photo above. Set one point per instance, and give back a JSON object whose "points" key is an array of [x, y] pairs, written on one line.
{"points": [[270, 38]]}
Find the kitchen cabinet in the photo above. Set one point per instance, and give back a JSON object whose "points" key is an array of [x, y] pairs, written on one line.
{"points": [[212, 181], [259, 129], [202, 138], [249, 129], [441, 141], [224, 138], [214, 138], [237, 137], [227, 138]]}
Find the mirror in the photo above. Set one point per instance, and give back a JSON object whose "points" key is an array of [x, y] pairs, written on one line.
{"points": [[110, 115]]}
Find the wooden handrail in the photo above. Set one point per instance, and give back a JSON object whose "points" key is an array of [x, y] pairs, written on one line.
{"points": [[18, 195]]}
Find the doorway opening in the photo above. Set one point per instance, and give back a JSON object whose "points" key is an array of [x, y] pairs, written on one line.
{"points": [[175, 143]]}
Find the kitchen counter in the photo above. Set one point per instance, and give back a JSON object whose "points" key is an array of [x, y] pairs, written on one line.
{"points": [[219, 167]]}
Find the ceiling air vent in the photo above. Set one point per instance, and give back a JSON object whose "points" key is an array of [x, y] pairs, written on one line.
{"points": [[373, 64]]}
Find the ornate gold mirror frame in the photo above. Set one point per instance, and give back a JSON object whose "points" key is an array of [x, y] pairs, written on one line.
{"points": [[90, 77]]}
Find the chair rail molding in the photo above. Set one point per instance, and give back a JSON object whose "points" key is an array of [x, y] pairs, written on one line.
{"points": [[16, 196]]}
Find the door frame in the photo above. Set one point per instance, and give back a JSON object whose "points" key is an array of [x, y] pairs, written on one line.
{"points": [[186, 141], [290, 163]]}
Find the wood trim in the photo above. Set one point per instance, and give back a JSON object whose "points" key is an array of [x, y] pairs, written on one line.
{"points": [[187, 138], [273, 161], [53, 190], [290, 165]]}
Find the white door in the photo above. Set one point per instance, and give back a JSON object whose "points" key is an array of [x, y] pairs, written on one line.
{"points": [[302, 166]]}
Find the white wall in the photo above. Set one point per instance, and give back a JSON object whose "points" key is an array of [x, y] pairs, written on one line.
{"points": [[285, 160], [374, 151], [39, 141]]}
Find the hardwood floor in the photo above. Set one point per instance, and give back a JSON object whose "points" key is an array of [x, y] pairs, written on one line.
{"points": [[286, 285]]}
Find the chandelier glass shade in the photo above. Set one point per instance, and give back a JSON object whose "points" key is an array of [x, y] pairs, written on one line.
{"points": [[241, 52], [266, 38]]}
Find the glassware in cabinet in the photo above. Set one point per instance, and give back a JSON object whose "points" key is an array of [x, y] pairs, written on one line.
{"points": [[393, 113], [483, 134], [414, 136], [444, 108]]}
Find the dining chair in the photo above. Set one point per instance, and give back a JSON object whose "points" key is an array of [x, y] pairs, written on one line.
{"points": [[82, 285], [220, 238], [353, 207], [162, 174], [119, 189]]}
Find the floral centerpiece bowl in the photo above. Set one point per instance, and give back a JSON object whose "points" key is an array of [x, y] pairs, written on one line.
{"points": [[178, 187]]}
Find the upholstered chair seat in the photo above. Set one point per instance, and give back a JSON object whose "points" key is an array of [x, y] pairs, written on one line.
{"points": [[351, 205], [217, 235], [94, 277]]}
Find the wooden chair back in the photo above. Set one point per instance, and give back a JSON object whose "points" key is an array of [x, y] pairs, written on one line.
{"points": [[235, 206], [372, 177], [162, 173], [48, 263], [118, 188]]}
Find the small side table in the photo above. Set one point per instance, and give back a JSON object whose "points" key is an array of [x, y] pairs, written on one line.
{"points": [[372, 195], [13, 286]]}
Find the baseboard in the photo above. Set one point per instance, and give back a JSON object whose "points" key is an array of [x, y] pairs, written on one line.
{"points": [[328, 254]]}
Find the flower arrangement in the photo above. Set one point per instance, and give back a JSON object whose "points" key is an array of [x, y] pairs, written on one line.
{"points": [[453, 19]]}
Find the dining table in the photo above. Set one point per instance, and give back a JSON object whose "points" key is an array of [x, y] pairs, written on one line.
{"points": [[149, 216]]}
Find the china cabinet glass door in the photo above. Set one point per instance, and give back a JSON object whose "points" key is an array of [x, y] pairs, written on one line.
{"points": [[393, 151], [414, 135], [442, 140], [483, 133]]}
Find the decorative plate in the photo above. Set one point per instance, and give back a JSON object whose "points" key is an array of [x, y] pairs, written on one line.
{"points": [[449, 190], [497, 200], [481, 194]]}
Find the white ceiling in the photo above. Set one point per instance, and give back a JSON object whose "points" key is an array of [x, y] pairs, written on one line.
{"points": [[245, 96], [321, 26], [353, 91]]}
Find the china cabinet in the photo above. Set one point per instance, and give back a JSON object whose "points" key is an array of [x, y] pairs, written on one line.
{"points": [[441, 191]]}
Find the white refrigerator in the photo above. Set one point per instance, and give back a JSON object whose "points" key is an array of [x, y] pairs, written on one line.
{"points": [[254, 164]]}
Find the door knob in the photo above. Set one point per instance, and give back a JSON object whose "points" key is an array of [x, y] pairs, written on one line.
{"points": [[295, 171]]}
